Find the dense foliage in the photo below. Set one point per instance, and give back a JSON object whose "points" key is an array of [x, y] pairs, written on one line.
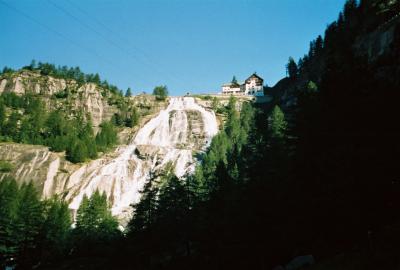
{"points": [[37, 232], [95, 226], [161, 92], [29, 122], [31, 230]]}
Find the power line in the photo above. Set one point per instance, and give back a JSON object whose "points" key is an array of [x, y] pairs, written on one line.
{"points": [[102, 35], [57, 33], [121, 37]]}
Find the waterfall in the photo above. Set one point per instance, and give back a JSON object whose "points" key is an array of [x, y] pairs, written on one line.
{"points": [[172, 136]]}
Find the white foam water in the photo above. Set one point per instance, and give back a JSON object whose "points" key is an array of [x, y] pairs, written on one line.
{"points": [[123, 177]]}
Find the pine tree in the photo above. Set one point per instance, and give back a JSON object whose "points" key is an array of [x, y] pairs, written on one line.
{"points": [[77, 151], [32, 65], [215, 104], [11, 127], [81, 216], [234, 80], [107, 137], [246, 124], [173, 208], [8, 214], [2, 116], [86, 134], [144, 211], [56, 124], [232, 126], [128, 92], [96, 79], [134, 117], [91, 146], [291, 68], [161, 92], [94, 224], [277, 123], [319, 44], [28, 224], [32, 126], [350, 9], [56, 229]]}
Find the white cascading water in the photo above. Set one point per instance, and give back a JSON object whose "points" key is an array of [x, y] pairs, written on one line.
{"points": [[166, 138]]}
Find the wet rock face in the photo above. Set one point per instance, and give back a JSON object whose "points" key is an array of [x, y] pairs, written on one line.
{"points": [[48, 171], [29, 163], [148, 152], [170, 137], [178, 131]]}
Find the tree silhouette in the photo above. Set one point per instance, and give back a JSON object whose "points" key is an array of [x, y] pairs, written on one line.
{"points": [[291, 68]]}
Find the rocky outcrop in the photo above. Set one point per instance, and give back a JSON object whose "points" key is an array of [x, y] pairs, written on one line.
{"points": [[148, 152], [379, 42], [87, 98], [32, 82], [90, 100]]}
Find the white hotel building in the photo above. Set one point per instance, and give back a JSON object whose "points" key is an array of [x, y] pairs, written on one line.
{"points": [[254, 85]]}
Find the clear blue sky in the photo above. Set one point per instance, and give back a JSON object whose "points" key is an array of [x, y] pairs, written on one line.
{"points": [[189, 45]]}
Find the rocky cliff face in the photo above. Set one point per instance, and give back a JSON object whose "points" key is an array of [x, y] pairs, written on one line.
{"points": [[35, 163], [379, 42], [88, 97], [31, 82]]}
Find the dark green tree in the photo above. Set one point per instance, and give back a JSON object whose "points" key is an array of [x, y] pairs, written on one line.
{"points": [[86, 134], [277, 123], [11, 129], [56, 230], [234, 80], [350, 9], [76, 151], [145, 210], [96, 78], [172, 213], [107, 137], [56, 124], [33, 124], [7, 70], [232, 126], [291, 68], [8, 215], [215, 104], [128, 92], [133, 119], [28, 225], [2, 116], [95, 225], [32, 66], [161, 92]]}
